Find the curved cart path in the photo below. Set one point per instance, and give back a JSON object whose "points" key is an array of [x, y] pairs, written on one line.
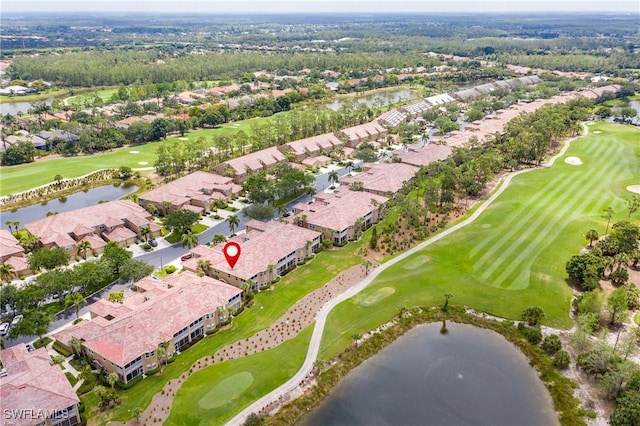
{"points": [[314, 345]]}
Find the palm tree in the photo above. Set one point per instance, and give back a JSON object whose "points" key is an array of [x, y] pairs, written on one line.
{"points": [[367, 264], [152, 208], [161, 353], [112, 379], [204, 265], [447, 296], [58, 178], [333, 177], [233, 221], [166, 206], [317, 366], [145, 232], [76, 345], [592, 235], [7, 273], [356, 337], [270, 269], [424, 139], [358, 226], [189, 239], [632, 205], [83, 247], [75, 299], [608, 214]]}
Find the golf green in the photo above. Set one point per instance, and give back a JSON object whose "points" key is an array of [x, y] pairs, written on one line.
{"points": [[226, 391], [514, 254]]}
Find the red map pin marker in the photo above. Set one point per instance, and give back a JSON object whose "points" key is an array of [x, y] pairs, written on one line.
{"points": [[231, 252]]}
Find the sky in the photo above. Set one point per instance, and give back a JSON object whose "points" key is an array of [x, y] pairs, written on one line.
{"points": [[320, 6]]}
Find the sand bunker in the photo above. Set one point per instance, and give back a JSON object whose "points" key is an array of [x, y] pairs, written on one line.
{"points": [[574, 161], [634, 188], [143, 163], [134, 152]]}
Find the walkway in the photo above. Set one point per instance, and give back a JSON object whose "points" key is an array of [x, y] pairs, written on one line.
{"points": [[314, 345]]}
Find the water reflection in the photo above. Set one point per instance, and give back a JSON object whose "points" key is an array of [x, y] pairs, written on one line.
{"points": [[71, 202], [468, 376]]}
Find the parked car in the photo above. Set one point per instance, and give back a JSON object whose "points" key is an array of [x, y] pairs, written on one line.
{"points": [[16, 319], [4, 328], [186, 257], [152, 243], [286, 214], [30, 348]]}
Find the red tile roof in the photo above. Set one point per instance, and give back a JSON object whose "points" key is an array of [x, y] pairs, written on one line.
{"points": [[150, 317], [56, 228], [383, 178], [263, 244], [9, 245], [33, 384], [198, 184], [339, 210]]}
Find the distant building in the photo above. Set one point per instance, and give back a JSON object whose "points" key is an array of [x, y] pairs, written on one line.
{"points": [[12, 253], [34, 390], [194, 191], [311, 147], [16, 91], [364, 132], [124, 338], [382, 179], [242, 167]]}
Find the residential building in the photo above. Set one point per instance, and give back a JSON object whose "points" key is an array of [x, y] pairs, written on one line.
{"points": [[421, 156], [340, 215], [121, 221], [195, 191], [12, 253], [124, 337], [311, 147], [242, 167], [34, 390], [362, 133], [382, 179], [267, 250], [416, 108], [392, 118]]}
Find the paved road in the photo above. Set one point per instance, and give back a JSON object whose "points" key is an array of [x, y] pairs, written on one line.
{"points": [[160, 257], [316, 337], [165, 255]]}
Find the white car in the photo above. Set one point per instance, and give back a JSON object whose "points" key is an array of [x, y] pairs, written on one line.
{"points": [[16, 319], [4, 328]]}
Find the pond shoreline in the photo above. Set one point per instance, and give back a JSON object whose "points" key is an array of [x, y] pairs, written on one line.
{"points": [[317, 387]]}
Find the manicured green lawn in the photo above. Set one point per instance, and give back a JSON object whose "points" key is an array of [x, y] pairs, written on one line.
{"points": [[514, 254], [213, 395], [268, 306], [104, 94], [26, 176]]}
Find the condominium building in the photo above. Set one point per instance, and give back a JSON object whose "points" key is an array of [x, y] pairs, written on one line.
{"points": [[268, 249], [124, 337], [34, 390]]}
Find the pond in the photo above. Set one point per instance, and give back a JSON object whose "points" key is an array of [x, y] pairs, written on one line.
{"points": [[469, 376], [20, 106], [384, 98], [75, 201]]}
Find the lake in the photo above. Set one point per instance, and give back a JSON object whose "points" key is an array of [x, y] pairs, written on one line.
{"points": [[14, 108], [75, 201], [470, 376]]}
